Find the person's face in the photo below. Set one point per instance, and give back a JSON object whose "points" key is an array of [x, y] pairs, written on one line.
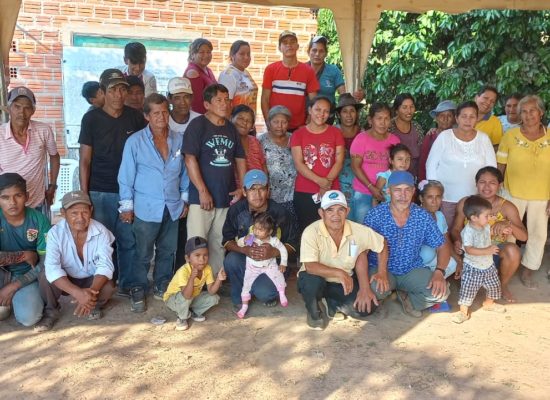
{"points": [[12, 201], [78, 216], [203, 57], [467, 119], [530, 114], [380, 122], [511, 109], [289, 46], [260, 232], [257, 197], [198, 258], [219, 105], [99, 100], [317, 53], [348, 116], [278, 125], [482, 219], [334, 217], [401, 161], [445, 119], [319, 112], [135, 97], [181, 103], [135, 69], [401, 195], [487, 186], [244, 122], [241, 59], [486, 101], [406, 110], [431, 200], [116, 96], [21, 111], [158, 116]]}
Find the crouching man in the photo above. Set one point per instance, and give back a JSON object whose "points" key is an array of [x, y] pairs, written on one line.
{"points": [[79, 262]]}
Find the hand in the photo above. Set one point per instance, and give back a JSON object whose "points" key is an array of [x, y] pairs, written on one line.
{"points": [[364, 299], [205, 200], [358, 95], [222, 276], [282, 268], [437, 284], [86, 299], [458, 272], [382, 282], [237, 195], [501, 228], [50, 195], [346, 281], [458, 247], [377, 193], [6, 294], [324, 183], [30, 257], [194, 273], [127, 217], [494, 249], [184, 211], [263, 252]]}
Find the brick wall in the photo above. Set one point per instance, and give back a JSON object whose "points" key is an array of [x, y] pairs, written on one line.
{"points": [[42, 25]]}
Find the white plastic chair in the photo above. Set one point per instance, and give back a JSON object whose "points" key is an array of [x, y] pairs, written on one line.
{"points": [[65, 184]]}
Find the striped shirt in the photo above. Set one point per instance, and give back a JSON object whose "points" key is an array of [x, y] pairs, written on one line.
{"points": [[28, 160]]}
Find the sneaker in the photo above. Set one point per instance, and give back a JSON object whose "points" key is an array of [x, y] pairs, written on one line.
{"points": [[321, 322], [408, 309], [45, 324], [158, 294], [332, 313], [181, 325], [95, 315], [137, 300], [198, 318]]}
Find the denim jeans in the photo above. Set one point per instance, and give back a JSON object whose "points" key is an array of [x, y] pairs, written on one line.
{"points": [[106, 211], [361, 203], [262, 288], [27, 303], [160, 238]]}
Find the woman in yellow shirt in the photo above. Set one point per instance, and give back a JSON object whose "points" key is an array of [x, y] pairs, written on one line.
{"points": [[524, 158]]}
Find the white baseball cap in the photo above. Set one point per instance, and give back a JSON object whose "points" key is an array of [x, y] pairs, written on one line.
{"points": [[333, 197], [179, 85]]}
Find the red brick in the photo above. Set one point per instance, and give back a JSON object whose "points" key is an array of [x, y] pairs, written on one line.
{"points": [[135, 14], [182, 18], [205, 7], [270, 24], [197, 19], [85, 10], [50, 8], [227, 20], [167, 16], [118, 13], [32, 7], [212, 19], [151, 15]]}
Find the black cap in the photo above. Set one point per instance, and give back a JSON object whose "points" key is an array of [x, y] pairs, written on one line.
{"points": [[195, 243]]}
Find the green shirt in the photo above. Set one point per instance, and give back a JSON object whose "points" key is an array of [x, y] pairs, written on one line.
{"points": [[30, 235]]}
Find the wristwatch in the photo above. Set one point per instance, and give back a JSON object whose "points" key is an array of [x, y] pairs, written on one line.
{"points": [[52, 185], [441, 269]]}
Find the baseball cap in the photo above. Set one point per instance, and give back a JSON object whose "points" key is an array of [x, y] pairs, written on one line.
{"points": [[445, 105], [401, 178], [333, 197], [255, 177], [21, 91], [75, 197], [112, 77], [195, 243], [285, 34], [179, 85]]}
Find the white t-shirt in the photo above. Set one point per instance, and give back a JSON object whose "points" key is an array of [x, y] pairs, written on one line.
{"points": [[180, 128], [455, 163], [479, 239]]}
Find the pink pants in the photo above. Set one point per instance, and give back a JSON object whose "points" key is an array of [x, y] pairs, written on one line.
{"points": [[252, 272]]}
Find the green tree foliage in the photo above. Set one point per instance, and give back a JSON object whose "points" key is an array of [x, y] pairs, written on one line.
{"points": [[437, 56]]}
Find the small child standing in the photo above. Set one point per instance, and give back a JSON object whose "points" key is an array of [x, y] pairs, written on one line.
{"points": [[185, 288], [479, 269], [261, 234], [400, 160]]}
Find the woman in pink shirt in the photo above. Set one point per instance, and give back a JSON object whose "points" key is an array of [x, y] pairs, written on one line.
{"points": [[198, 73], [370, 155]]}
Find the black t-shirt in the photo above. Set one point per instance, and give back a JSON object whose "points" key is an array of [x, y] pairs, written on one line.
{"points": [[107, 136], [216, 148]]}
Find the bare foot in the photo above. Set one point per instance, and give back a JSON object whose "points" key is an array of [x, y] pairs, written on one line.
{"points": [[507, 295], [526, 278]]}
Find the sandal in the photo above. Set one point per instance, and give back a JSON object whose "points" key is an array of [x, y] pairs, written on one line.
{"points": [[460, 317], [408, 309], [528, 282]]}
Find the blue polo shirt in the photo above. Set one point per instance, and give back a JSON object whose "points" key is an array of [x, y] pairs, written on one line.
{"points": [[405, 242], [331, 79]]}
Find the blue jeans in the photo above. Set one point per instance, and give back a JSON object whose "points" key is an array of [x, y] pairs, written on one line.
{"points": [[106, 211], [160, 238], [361, 203], [262, 288], [26, 302]]}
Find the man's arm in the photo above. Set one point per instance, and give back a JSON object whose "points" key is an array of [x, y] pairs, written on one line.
{"points": [[10, 257], [324, 271], [55, 164], [84, 166], [127, 175], [266, 94], [381, 276], [85, 297], [194, 172], [365, 295], [458, 225]]}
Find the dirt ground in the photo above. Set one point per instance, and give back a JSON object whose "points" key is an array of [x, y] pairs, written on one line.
{"points": [[273, 355]]}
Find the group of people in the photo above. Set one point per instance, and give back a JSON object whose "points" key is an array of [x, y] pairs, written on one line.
{"points": [[185, 181]]}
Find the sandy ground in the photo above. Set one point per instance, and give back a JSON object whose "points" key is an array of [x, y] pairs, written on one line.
{"points": [[273, 355]]}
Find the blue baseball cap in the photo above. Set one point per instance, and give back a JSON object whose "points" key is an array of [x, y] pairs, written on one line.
{"points": [[254, 177], [401, 178]]}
